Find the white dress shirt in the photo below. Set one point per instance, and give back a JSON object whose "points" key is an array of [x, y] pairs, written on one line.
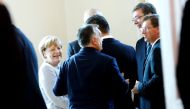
{"points": [[47, 78]]}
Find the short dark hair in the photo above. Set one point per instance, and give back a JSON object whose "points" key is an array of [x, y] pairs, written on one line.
{"points": [[147, 8], [100, 21], [85, 33], [154, 18]]}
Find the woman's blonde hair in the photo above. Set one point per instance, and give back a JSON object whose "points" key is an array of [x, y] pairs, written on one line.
{"points": [[48, 41]]}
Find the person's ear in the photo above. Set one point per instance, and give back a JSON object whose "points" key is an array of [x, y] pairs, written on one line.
{"points": [[94, 40], [44, 54]]}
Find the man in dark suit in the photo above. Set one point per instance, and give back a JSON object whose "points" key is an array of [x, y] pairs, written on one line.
{"points": [[90, 77], [139, 12], [184, 58], [20, 66], [124, 54], [151, 90], [73, 47]]}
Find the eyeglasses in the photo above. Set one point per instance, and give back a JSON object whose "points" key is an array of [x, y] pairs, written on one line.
{"points": [[146, 28], [137, 18]]}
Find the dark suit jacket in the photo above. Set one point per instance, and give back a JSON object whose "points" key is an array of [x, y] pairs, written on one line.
{"points": [[140, 56], [184, 58], [151, 90], [73, 48], [125, 57], [20, 90], [21, 71], [126, 60], [29, 94], [90, 78]]}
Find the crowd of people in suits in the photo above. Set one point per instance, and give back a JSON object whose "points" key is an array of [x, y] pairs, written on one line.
{"points": [[149, 85], [100, 72]]}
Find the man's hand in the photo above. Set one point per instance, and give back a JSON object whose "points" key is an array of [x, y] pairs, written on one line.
{"points": [[134, 90]]}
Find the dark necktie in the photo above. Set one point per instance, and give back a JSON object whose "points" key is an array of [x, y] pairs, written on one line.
{"points": [[148, 48]]}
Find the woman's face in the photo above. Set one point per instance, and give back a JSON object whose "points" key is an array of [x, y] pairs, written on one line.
{"points": [[53, 54]]}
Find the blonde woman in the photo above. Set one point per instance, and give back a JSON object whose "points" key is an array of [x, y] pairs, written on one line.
{"points": [[50, 48]]}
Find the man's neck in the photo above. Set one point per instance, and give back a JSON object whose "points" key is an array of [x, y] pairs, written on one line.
{"points": [[107, 35]]}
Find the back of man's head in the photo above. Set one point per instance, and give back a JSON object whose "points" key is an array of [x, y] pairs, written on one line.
{"points": [[5, 18], [147, 8], [101, 22], [85, 33], [90, 12]]}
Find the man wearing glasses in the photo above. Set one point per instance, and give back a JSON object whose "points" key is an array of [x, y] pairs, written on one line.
{"points": [[139, 12], [151, 89]]}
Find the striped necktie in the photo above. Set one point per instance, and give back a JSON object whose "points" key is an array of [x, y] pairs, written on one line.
{"points": [[148, 48]]}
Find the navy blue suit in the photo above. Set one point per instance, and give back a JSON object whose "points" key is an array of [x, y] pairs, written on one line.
{"points": [[73, 48], [90, 78], [140, 56], [126, 60], [151, 90]]}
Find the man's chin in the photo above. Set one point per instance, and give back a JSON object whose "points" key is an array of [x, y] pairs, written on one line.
{"points": [[139, 26], [145, 39]]}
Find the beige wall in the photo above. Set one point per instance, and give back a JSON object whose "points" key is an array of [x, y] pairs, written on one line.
{"points": [[38, 18]]}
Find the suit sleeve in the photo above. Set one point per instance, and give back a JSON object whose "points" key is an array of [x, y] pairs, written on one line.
{"points": [[32, 91], [155, 83], [117, 80], [70, 50], [60, 87], [133, 71]]}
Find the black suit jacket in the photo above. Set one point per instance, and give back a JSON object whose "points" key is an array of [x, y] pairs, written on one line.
{"points": [[126, 60], [73, 48], [90, 78], [21, 89], [151, 90], [184, 58], [28, 92], [22, 73]]}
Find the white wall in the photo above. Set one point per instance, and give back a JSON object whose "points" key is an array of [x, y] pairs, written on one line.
{"points": [[38, 18], [118, 14]]}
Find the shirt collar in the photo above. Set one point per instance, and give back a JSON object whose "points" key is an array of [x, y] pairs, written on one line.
{"points": [[107, 36], [155, 42]]}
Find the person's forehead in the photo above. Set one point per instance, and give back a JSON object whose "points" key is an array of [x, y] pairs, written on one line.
{"points": [[146, 23], [138, 11]]}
